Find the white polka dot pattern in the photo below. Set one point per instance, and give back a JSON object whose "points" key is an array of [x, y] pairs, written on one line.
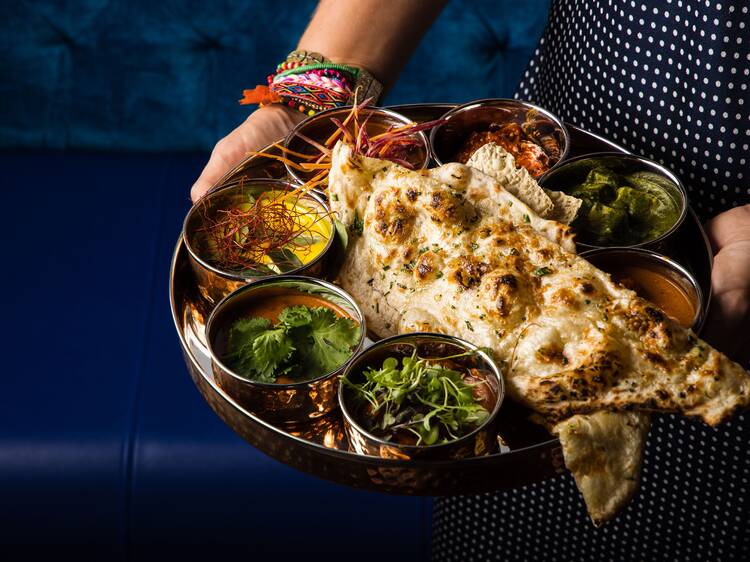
{"points": [[668, 80], [693, 504]]}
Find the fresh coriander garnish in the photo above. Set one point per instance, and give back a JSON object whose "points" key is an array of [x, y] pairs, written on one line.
{"points": [[358, 225], [305, 344], [526, 218], [542, 271], [418, 401]]}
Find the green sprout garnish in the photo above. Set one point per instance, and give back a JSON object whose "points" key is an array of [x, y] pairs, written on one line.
{"points": [[432, 402]]}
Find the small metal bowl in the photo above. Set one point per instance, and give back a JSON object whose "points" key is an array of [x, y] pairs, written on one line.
{"points": [[480, 441], [481, 115], [215, 283], [576, 169], [319, 128], [282, 402], [608, 259]]}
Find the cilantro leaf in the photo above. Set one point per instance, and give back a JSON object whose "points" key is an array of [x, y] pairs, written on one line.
{"points": [[331, 340], [257, 348], [295, 316], [270, 349], [241, 336]]}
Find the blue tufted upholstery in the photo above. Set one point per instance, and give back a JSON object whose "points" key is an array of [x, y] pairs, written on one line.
{"points": [[166, 75], [105, 446]]}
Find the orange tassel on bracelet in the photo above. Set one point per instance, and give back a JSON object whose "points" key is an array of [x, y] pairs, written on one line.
{"points": [[261, 95]]}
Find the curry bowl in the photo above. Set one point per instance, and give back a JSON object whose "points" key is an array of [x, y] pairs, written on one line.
{"points": [[265, 354], [658, 279], [388, 398], [256, 229], [627, 200], [537, 139], [322, 129]]}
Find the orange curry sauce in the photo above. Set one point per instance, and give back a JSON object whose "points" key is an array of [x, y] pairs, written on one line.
{"points": [[652, 285], [269, 306]]}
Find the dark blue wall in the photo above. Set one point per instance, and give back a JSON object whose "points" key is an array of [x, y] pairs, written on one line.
{"points": [[167, 74]]}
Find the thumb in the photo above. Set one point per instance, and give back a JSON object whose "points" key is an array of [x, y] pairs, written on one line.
{"points": [[227, 153], [262, 127]]}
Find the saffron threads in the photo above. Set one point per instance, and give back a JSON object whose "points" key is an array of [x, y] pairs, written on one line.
{"points": [[270, 234]]}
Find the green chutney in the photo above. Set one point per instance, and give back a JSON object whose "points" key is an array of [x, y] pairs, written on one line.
{"points": [[623, 210]]}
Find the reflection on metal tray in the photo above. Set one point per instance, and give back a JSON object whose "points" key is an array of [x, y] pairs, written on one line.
{"points": [[526, 453]]}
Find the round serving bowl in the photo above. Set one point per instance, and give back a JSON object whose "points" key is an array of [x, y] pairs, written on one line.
{"points": [[576, 170], [215, 282], [279, 402], [479, 441], [448, 138], [319, 128], [624, 264]]}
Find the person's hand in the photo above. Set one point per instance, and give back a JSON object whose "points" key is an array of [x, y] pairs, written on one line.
{"points": [[264, 126], [728, 326]]}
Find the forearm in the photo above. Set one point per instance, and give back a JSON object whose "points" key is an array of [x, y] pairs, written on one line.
{"points": [[378, 36]]}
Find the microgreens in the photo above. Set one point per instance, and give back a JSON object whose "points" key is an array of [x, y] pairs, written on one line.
{"points": [[421, 397]]}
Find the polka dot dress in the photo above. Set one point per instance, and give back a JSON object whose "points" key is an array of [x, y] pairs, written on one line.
{"points": [[668, 80]]}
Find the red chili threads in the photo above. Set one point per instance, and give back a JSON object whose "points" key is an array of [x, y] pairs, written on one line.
{"points": [[397, 144], [271, 234]]}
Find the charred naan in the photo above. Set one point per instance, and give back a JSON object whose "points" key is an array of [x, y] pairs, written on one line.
{"points": [[449, 250]]}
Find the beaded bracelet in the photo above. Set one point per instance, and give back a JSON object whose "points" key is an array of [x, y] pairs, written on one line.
{"points": [[311, 83]]}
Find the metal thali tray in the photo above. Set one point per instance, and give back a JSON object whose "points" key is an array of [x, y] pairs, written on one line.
{"points": [[526, 453]]}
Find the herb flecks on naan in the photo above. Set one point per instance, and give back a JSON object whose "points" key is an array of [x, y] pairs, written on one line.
{"points": [[448, 250]]}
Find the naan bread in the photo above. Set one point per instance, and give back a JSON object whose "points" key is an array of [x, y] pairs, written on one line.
{"points": [[493, 160], [565, 206], [449, 250], [604, 451], [483, 266]]}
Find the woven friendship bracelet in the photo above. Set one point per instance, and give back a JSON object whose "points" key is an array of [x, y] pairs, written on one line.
{"points": [[311, 93], [310, 83]]}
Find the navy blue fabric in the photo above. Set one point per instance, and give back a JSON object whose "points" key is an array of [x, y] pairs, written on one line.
{"points": [[166, 75], [107, 450]]}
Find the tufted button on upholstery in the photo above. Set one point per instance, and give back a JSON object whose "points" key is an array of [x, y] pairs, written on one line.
{"points": [[493, 48], [211, 44], [66, 40]]}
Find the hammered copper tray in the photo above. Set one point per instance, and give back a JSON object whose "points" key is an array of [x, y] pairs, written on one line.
{"points": [[525, 454]]}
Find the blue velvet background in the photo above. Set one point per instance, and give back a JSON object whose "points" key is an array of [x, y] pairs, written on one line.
{"points": [[107, 452], [166, 75]]}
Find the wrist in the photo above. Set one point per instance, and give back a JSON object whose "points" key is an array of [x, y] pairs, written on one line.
{"points": [[276, 119]]}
